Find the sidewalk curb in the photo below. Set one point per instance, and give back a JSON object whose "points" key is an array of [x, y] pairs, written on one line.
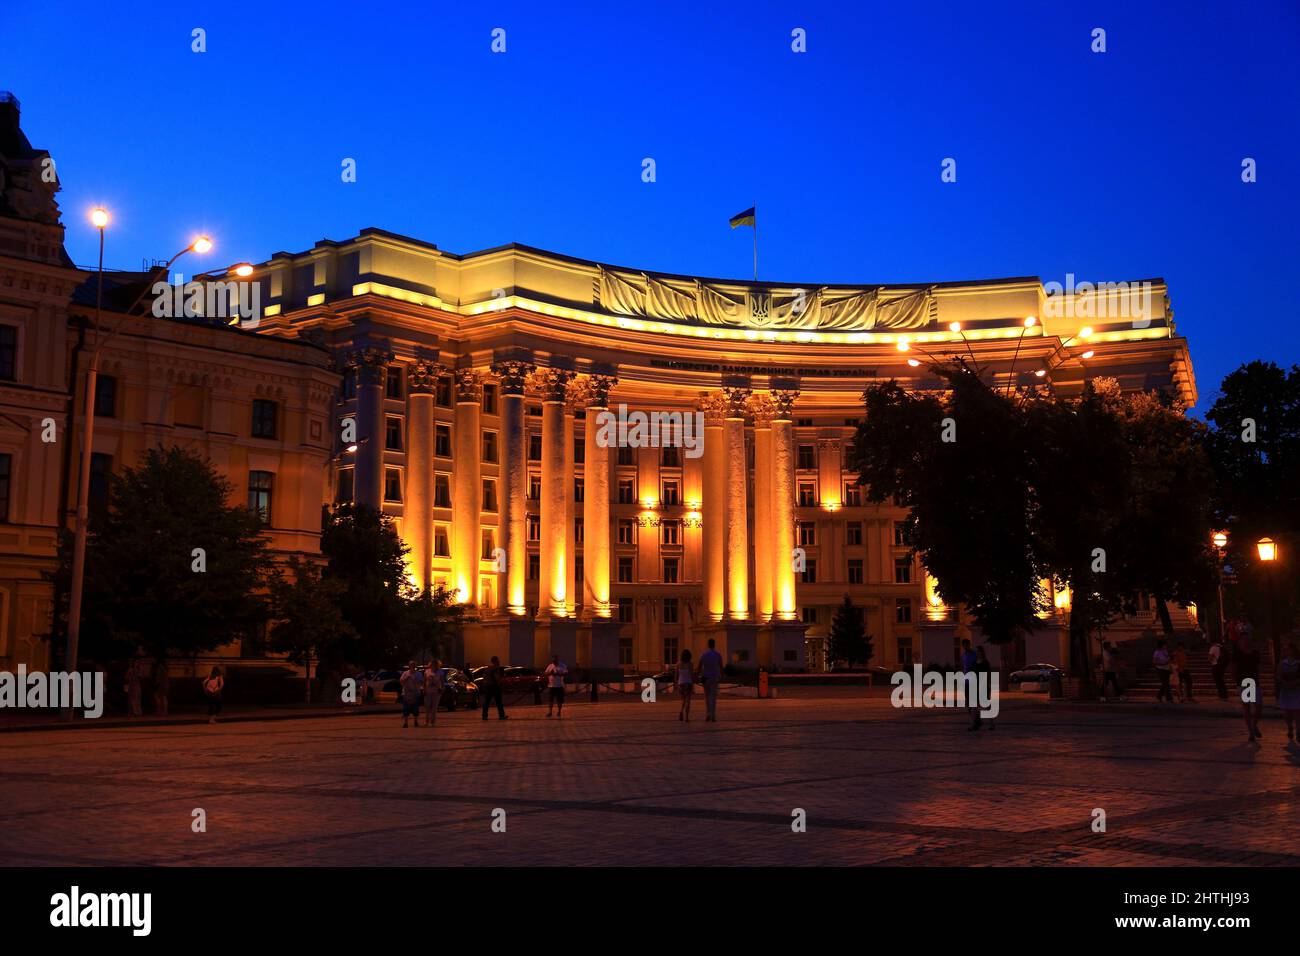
{"points": [[119, 723]]}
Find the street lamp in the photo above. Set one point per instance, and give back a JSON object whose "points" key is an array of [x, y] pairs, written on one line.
{"points": [[1220, 541], [1267, 550], [99, 218]]}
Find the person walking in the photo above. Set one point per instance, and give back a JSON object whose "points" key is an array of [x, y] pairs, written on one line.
{"points": [[492, 689], [134, 684], [1218, 667], [212, 690], [1184, 668], [968, 662], [411, 683], [982, 666], [435, 683], [1110, 662], [1163, 664], [711, 677], [1288, 687], [1245, 661], [555, 672], [685, 685]]}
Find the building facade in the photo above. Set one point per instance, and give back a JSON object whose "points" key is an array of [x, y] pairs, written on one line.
{"points": [[476, 387]]}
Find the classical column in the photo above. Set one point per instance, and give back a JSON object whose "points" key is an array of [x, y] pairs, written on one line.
{"points": [[371, 364], [553, 591], [417, 525], [763, 408], [737, 503], [783, 502], [595, 510], [514, 484], [714, 505], [467, 488]]}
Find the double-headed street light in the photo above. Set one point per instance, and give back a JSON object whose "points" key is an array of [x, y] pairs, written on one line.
{"points": [[99, 218]]}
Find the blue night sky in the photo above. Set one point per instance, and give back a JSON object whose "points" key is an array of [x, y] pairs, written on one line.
{"points": [[1122, 165]]}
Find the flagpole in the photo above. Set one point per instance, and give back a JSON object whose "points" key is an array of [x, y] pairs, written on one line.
{"points": [[755, 243]]}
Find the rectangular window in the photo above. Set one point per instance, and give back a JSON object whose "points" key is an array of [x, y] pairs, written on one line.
{"points": [[489, 544], [903, 610], [807, 534], [625, 652], [853, 533], [8, 353], [624, 570], [577, 580], [670, 643], [672, 457], [626, 612], [670, 532], [441, 541], [900, 534], [489, 399], [106, 396], [489, 494], [809, 572], [579, 451], [855, 570], [534, 487], [626, 531], [670, 570], [442, 491], [442, 392], [393, 434], [902, 570], [534, 567], [626, 491], [534, 523], [394, 382], [579, 532], [672, 493], [807, 494], [807, 458], [626, 455], [490, 446], [905, 650], [579, 490], [810, 615], [442, 441], [534, 447], [264, 414], [853, 495], [392, 484], [260, 485], [671, 611], [101, 466], [344, 492]]}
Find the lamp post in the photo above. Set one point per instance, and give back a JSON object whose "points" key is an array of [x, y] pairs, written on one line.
{"points": [[100, 220], [1220, 542], [1267, 550]]}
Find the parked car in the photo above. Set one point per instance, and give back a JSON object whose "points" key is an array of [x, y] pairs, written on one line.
{"points": [[374, 683], [460, 691], [1037, 674], [515, 680]]}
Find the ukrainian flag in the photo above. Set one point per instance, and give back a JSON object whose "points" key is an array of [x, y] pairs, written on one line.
{"points": [[746, 218]]}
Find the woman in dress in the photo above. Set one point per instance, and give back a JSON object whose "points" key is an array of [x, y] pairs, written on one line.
{"points": [[1288, 687], [685, 685]]}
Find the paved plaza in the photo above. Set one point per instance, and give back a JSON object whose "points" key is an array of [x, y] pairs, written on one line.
{"points": [[621, 782]]}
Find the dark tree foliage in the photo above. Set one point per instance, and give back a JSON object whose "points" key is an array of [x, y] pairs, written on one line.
{"points": [[848, 640]]}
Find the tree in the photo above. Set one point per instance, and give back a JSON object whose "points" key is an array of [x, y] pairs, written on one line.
{"points": [[849, 641], [171, 565], [430, 622], [307, 620]]}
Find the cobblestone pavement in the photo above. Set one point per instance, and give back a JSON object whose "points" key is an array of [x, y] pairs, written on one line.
{"points": [[623, 782]]}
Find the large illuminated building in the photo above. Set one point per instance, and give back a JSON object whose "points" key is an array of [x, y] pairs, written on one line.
{"points": [[476, 385]]}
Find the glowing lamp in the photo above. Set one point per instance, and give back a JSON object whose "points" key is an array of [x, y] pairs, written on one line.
{"points": [[1267, 549], [99, 217], [201, 245]]}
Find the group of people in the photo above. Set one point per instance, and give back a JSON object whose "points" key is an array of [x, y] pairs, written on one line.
{"points": [[707, 672], [1174, 671], [424, 686]]}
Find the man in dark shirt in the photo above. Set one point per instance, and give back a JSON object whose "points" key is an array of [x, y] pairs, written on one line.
{"points": [[711, 675], [492, 688]]}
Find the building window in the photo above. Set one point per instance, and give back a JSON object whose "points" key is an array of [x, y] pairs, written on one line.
{"points": [[264, 416], [900, 534], [579, 533], [534, 527], [577, 580], [579, 490], [671, 611], [8, 353], [441, 491], [393, 434], [442, 392], [853, 495], [106, 396], [626, 455], [579, 451], [810, 615], [534, 567], [489, 545], [807, 494], [903, 611], [442, 441], [626, 613], [809, 572], [489, 494], [394, 382], [489, 399], [672, 457], [441, 542], [392, 484], [626, 531], [534, 487], [6, 471], [905, 650], [855, 570], [902, 570], [101, 466], [624, 570], [534, 447], [671, 493], [490, 446], [807, 534], [260, 484], [807, 458], [349, 384], [670, 643], [670, 570], [626, 491], [804, 423], [344, 490], [625, 654], [670, 532], [853, 533]]}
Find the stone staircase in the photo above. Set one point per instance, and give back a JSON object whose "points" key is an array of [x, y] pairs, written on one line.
{"points": [[1147, 683]]}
